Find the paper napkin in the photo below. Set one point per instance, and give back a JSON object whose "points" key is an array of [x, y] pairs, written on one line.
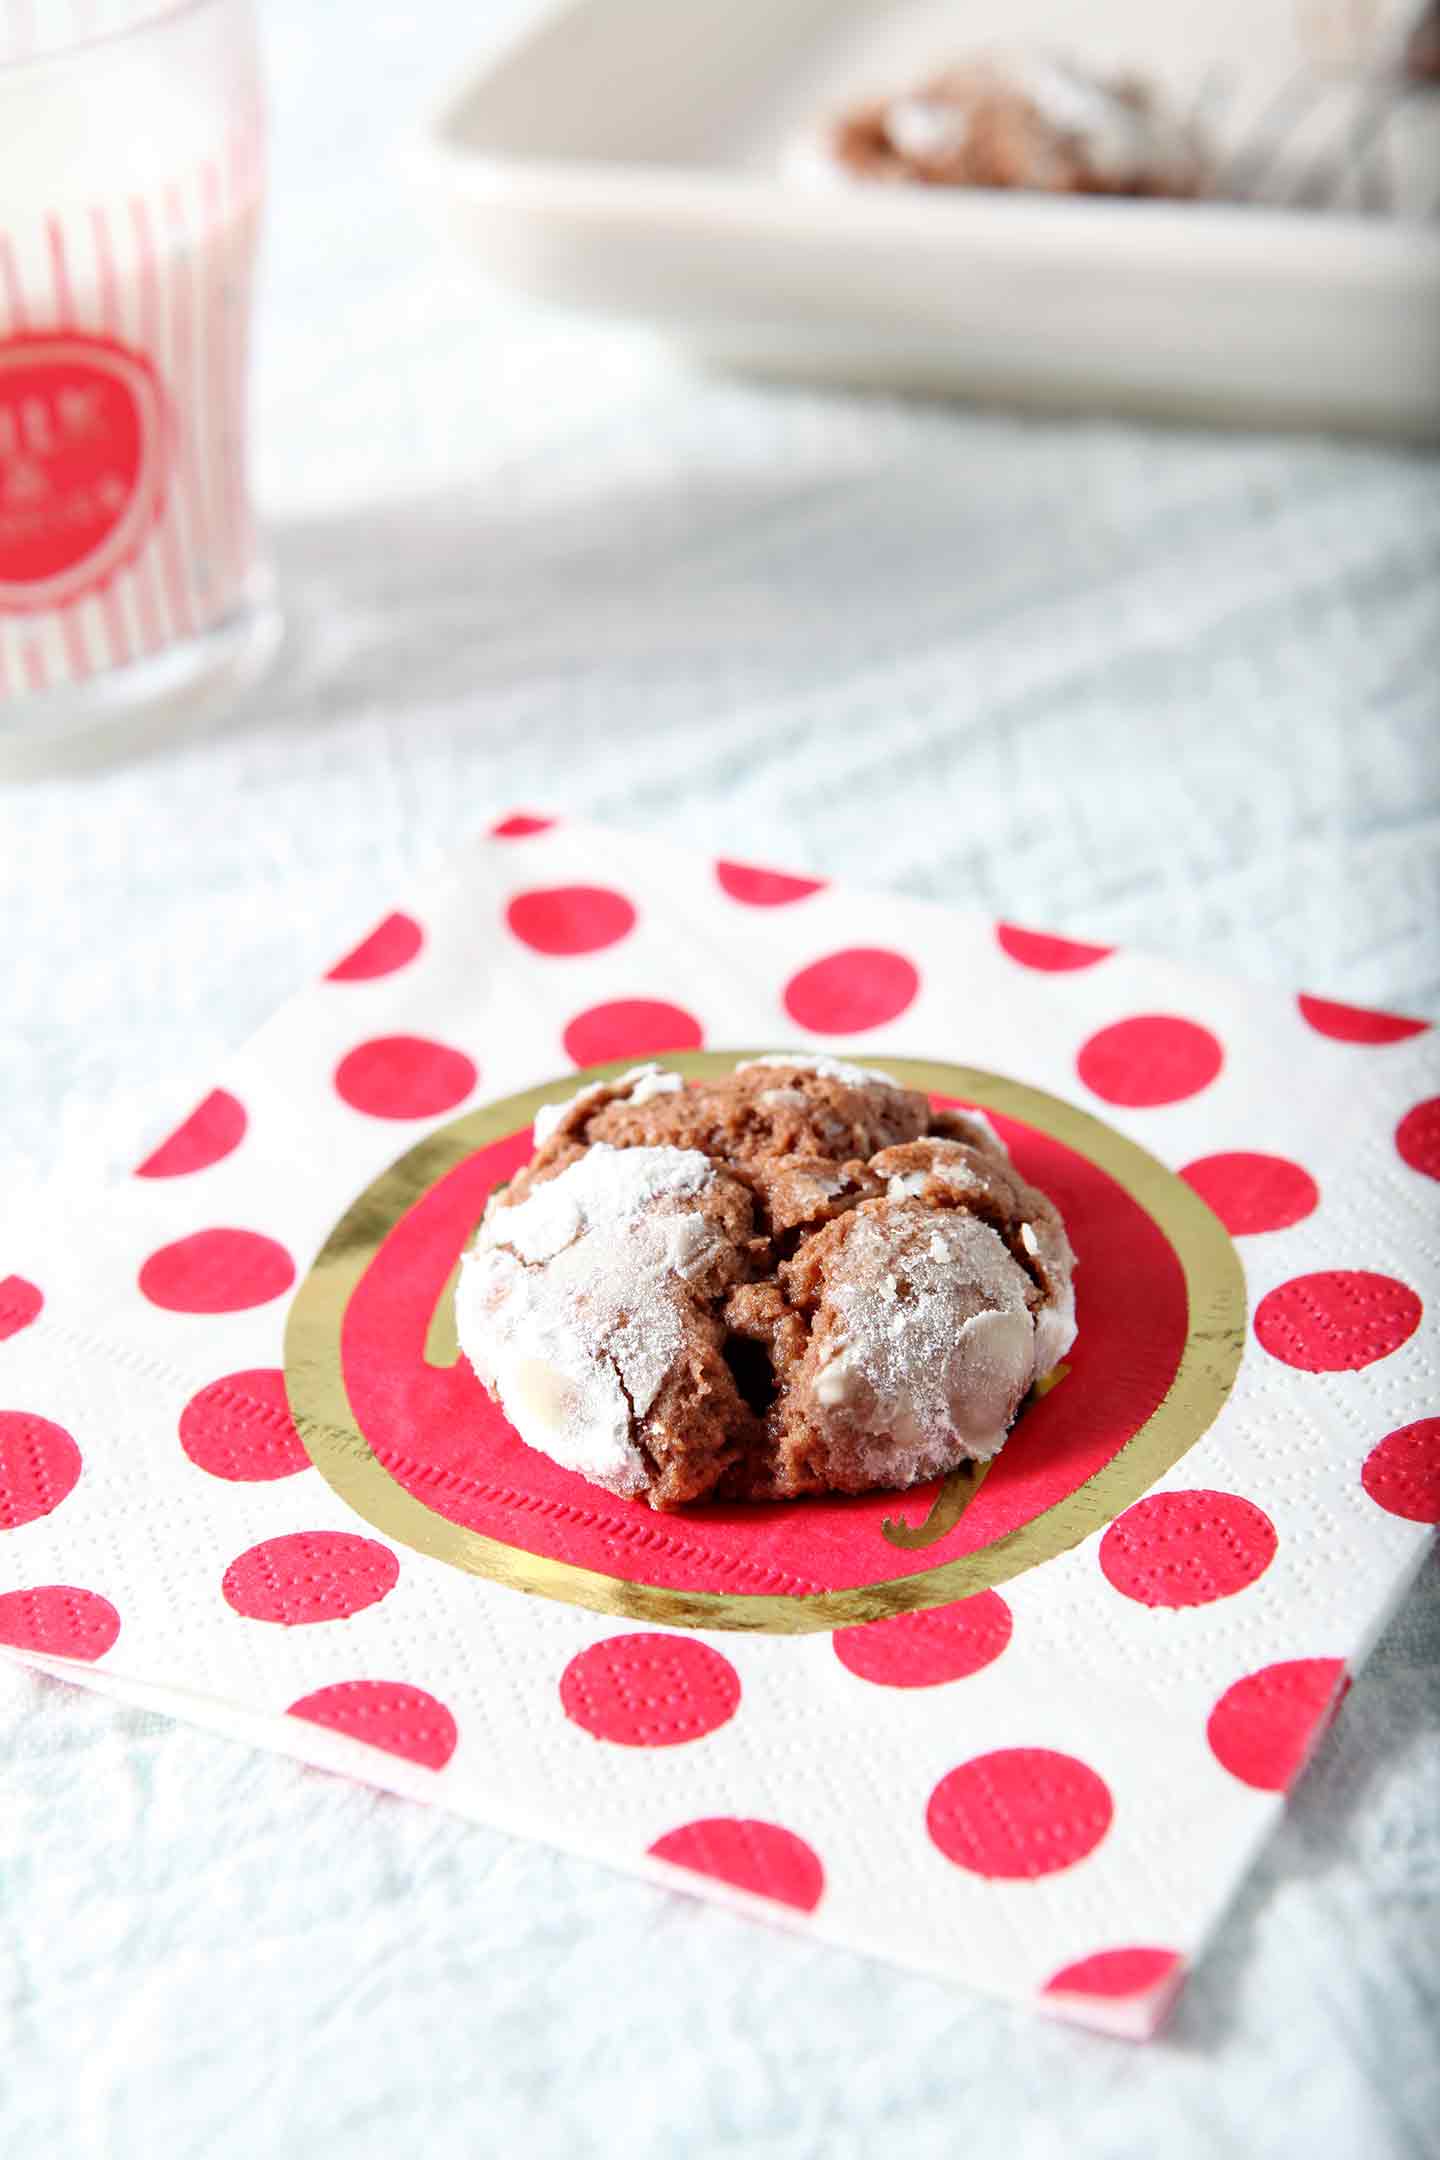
{"points": [[1023, 1731]]}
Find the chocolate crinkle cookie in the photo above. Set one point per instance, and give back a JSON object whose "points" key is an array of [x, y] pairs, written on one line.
{"points": [[797, 1279], [1032, 122]]}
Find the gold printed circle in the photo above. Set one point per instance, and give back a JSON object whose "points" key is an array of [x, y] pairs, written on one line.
{"points": [[1214, 1345]]}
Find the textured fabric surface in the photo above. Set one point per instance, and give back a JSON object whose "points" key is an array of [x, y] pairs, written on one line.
{"points": [[1137, 684]]}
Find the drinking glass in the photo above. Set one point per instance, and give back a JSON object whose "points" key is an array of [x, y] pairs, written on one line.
{"points": [[130, 191]]}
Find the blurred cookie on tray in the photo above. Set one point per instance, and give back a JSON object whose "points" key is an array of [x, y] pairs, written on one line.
{"points": [[1032, 121]]}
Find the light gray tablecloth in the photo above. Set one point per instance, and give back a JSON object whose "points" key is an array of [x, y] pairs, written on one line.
{"points": [[1132, 683]]}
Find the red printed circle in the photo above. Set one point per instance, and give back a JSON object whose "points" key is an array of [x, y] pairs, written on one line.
{"points": [[850, 991], [761, 1857], [1417, 1137], [520, 825], [1357, 1023], [1052, 955], [1151, 1059], [217, 1271], [1402, 1471], [1337, 1320], [1019, 1813], [404, 1076], [57, 1620], [86, 462], [240, 1428], [20, 1303], [649, 1690], [1187, 1548], [39, 1465], [389, 1714], [1253, 1193], [925, 1649], [308, 1576], [630, 1028], [391, 945], [1133, 1970], [570, 919], [764, 888], [213, 1130], [1264, 1727]]}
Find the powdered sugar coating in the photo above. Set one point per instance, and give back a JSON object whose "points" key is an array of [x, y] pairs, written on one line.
{"points": [[1117, 135], [924, 1341], [565, 1304], [922, 128], [827, 1068], [636, 1086], [1054, 1330]]}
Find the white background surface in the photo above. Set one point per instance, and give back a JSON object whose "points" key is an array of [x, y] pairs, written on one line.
{"points": [[1135, 684]]}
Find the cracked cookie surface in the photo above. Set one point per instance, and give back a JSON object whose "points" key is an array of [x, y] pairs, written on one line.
{"points": [[799, 1278]]}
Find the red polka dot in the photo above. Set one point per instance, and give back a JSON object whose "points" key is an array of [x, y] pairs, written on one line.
{"points": [[20, 1303], [1053, 955], [1154, 1058], [570, 918], [1336, 1321], [1263, 1728], [922, 1649], [1187, 1548], [1402, 1471], [39, 1465], [241, 1428], [58, 1620], [628, 1028], [519, 826], [404, 1076], [212, 1131], [1019, 1813], [1417, 1136], [1113, 1973], [764, 888], [392, 944], [649, 1690], [849, 991], [215, 1271], [309, 1575], [1356, 1023], [1251, 1193], [389, 1714], [760, 1857]]}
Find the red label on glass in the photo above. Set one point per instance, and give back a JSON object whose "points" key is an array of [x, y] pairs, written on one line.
{"points": [[82, 465]]}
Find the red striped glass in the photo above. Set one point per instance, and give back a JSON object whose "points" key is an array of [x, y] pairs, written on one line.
{"points": [[131, 181]]}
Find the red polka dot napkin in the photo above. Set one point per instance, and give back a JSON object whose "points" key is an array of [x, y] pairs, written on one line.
{"points": [[1025, 1730]]}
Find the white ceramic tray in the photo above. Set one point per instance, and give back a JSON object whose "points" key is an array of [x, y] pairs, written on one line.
{"points": [[636, 158]]}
